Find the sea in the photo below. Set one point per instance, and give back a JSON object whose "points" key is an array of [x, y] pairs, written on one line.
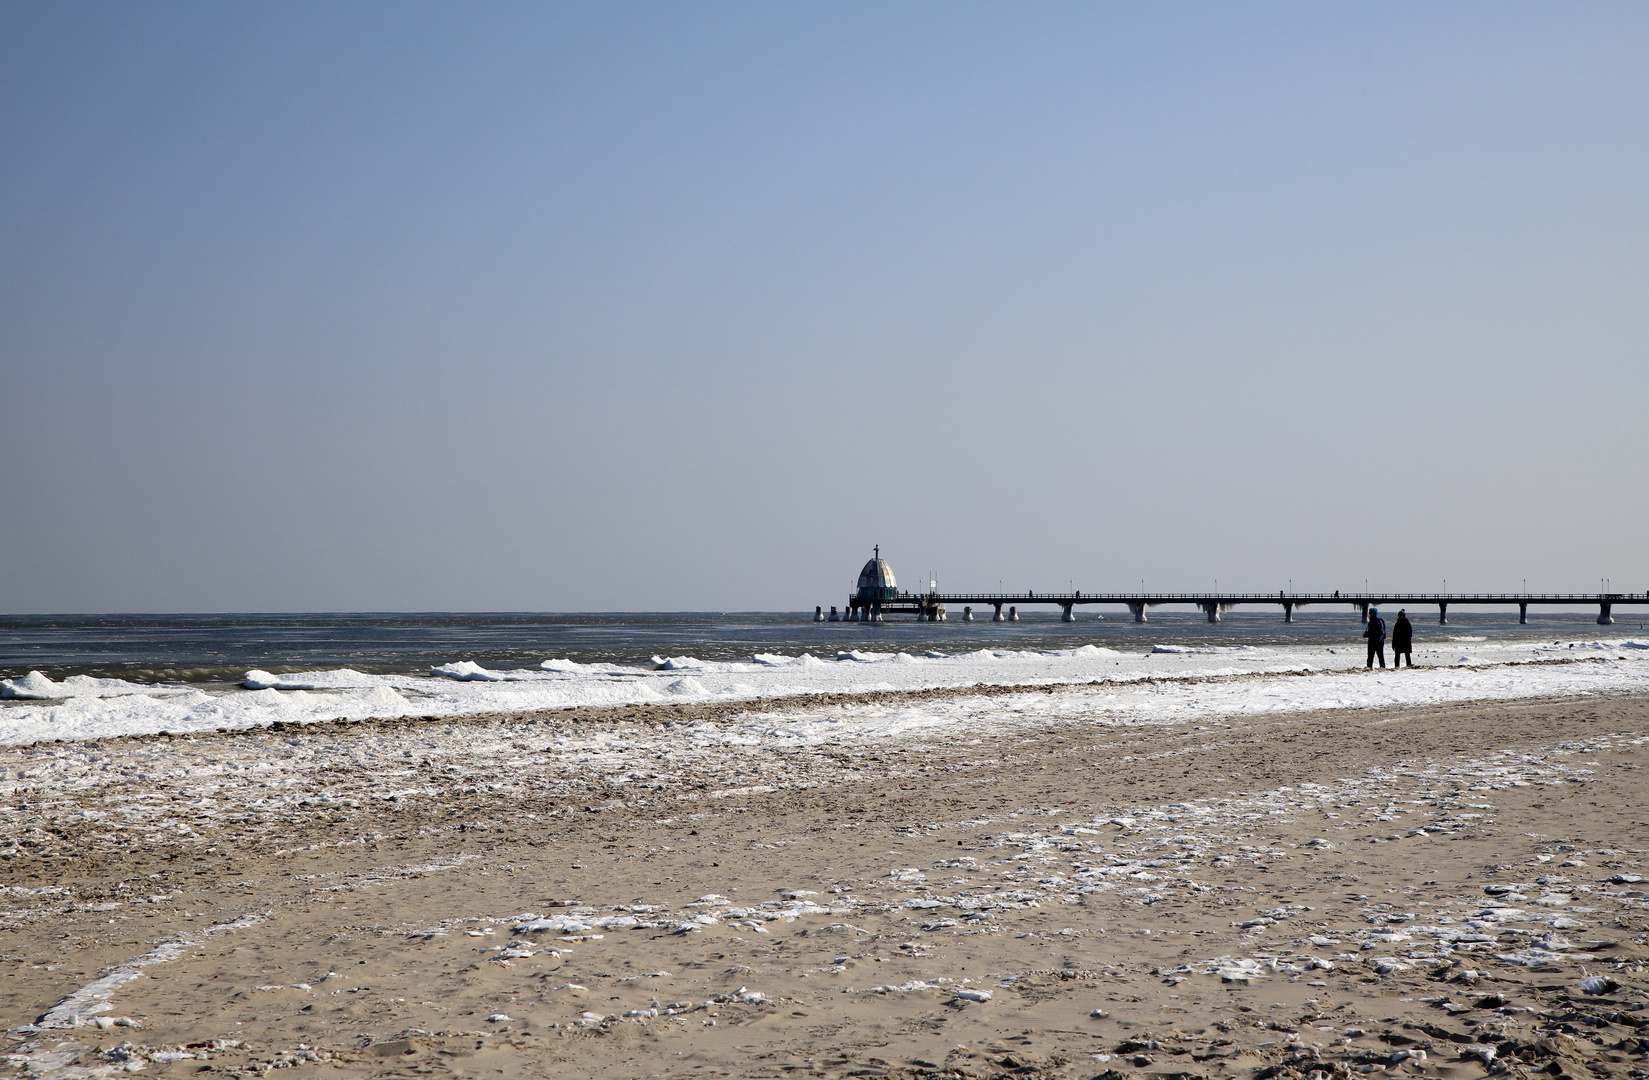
{"points": [[72, 678], [222, 648]]}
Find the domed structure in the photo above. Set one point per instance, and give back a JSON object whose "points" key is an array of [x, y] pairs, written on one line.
{"points": [[876, 581]]}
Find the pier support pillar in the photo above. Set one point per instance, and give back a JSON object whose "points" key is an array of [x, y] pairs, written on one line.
{"points": [[876, 612], [818, 613], [967, 614], [1288, 611], [1363, 616], [1070, 615], [833, 616], [1522, 614], [1212, 611], [1442, 614], [1138, 610], [998, 616], [1013, 614], [1604, 618]]}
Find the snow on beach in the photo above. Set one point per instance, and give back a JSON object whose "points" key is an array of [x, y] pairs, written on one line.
{"points": [[1130, 683], [991, 862]]}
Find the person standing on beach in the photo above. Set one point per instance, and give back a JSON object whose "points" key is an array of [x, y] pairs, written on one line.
{"points": [[1402, 639], [1376, 634]]}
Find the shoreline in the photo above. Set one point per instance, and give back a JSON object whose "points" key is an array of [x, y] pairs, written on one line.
{"points": [[722, 709]]}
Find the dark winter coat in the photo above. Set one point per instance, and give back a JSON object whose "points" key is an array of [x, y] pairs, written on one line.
{"points": [[1376, 632], [1402, 634]]}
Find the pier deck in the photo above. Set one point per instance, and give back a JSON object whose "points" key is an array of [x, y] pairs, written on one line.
{"points": [[933, 605]]}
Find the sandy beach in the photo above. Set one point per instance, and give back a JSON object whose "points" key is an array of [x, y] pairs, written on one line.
{"points": [[986, 541], [1447, 890]]}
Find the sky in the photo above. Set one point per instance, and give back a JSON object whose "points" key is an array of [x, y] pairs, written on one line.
{"points": [[631, 306]]}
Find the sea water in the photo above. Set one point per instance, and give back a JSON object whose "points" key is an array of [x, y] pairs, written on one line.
{"points": [[221, 648], [92, 677]]}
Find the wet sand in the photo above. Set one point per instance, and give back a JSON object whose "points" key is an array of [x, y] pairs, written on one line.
{"points": [[1312, 892]]}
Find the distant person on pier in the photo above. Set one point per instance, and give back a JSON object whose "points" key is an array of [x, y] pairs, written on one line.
{"points": [[1376, 634], [1402, 639]]}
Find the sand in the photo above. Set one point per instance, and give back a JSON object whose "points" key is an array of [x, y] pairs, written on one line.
{"points": [[1420, 891]]}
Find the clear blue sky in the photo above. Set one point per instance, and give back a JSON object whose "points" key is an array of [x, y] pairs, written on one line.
{"points": [[684, 306]]}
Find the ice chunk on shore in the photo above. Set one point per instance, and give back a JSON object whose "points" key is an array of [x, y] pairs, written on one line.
{"points": [[778, 660], [468, 671], [34, 686], [1084, 652], [465, 671], [341, 679], [258, 679], [558, 924], [1240, 970], [569, 924], [37, 686]]}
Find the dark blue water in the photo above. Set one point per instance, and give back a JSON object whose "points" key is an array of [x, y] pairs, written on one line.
{"points": [[221, 648]]}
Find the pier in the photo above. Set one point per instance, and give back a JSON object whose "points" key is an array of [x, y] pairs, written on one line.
{"points": [[934, 606], [878, 595]]}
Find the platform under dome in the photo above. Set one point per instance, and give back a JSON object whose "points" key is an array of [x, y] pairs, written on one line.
{"points": [[876, 580]]}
